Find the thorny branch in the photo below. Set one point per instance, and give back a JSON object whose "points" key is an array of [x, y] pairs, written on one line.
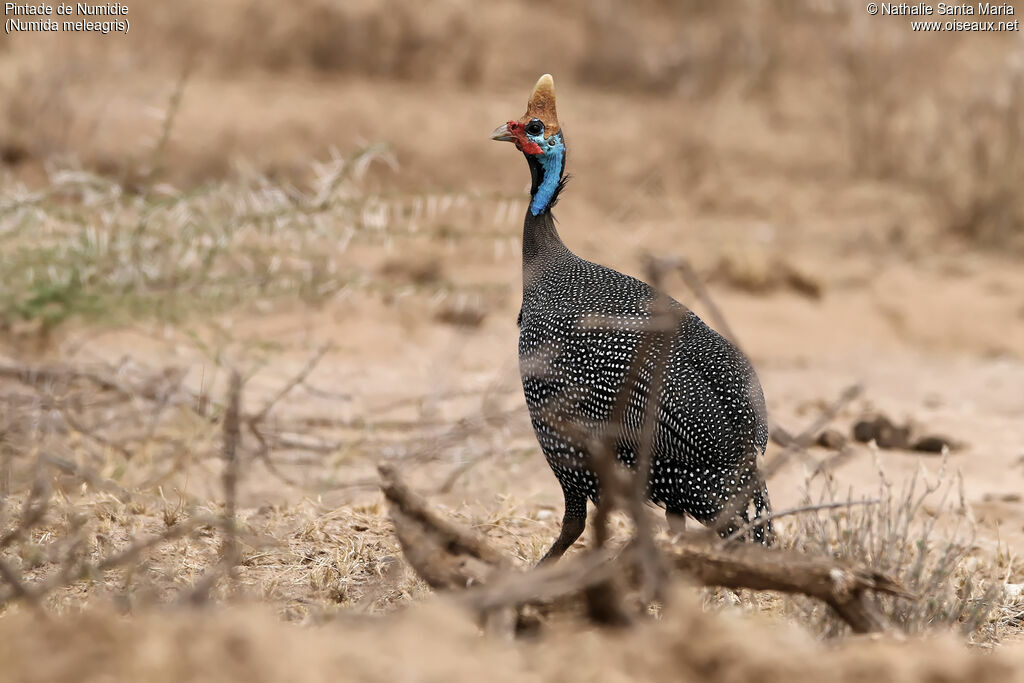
{"points": [[103, 404], [290, 385]]}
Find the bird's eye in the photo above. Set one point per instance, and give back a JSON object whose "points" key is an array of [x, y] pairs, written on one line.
{"points": [[534, 127]]}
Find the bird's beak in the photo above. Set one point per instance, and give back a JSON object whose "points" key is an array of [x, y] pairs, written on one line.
{"points": [[502, 134]]}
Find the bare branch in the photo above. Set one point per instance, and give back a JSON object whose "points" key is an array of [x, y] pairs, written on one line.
{"points": [[799, 443], [694, 282], [36, 377], [87, 475], [843, 587], [413, 508], [287, 388], [231, 441], [739, 533]]}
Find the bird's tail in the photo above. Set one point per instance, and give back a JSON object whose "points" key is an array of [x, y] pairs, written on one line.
{"points": [[749, 513], [763, 533]]}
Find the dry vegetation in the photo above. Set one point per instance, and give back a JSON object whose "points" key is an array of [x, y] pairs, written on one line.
{"points": [[251, 254], [91, 247]]}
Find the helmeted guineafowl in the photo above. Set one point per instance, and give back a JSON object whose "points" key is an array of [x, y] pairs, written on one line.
{"points": [[581, 325]]}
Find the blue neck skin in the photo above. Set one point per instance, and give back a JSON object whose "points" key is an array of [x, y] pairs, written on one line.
{"points": [[551, 164]]}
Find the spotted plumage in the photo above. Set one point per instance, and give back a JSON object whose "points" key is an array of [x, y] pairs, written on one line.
{"points": [[581, 325]]}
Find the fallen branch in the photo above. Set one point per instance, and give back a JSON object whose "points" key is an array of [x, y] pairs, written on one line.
{"points": [[449, 557], [548, 582], [843, 587], [444, 554]]}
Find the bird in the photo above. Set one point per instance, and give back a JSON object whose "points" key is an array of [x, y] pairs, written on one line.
{"points": [[580, 330]]}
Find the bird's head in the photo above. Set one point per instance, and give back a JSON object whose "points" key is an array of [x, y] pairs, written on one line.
{"points": [[537, 132], [539, 137]]}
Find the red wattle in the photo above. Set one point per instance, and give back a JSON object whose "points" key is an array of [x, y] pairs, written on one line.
{"points": [[523, 143]]}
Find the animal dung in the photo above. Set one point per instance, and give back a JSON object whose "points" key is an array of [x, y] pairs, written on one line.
{"points": [[888, 435]]}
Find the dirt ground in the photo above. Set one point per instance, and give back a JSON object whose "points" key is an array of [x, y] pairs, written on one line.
{"points": [[839, 184]]}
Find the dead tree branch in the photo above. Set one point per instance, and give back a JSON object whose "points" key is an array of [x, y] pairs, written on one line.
{"points": [[443, 553], [229, 550], [843, 587], [451, 558]]}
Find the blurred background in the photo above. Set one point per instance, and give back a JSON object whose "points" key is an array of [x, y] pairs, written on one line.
{"points": [[308, 190], [773, 139]]}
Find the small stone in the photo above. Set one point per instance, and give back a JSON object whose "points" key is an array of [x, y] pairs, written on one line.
{"points": [[864, 430], [934, 444]]}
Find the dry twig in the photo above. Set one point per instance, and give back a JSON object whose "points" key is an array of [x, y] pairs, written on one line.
{"points": [[452, 558]]}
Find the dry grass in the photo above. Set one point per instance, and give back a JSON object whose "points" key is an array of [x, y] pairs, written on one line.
{"points": [[918, 535], [923, 535], [976, 167], [756, 272], [87, 246], [97, 501]]}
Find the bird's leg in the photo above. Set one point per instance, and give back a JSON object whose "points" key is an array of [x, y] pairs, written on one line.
{"points": [[763, 533], [676, 521], [574, 521], [572, 528]]}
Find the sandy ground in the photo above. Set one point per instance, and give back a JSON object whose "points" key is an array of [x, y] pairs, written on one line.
{"points": [[806, 353], [931, 329]]}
